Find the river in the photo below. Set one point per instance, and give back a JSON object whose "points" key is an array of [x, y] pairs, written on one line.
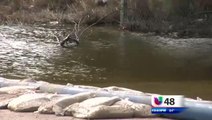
{"points": [[106, 57]]}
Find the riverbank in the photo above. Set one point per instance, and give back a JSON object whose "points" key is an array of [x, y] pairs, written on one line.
{"points": [[10, 115], [89, 102], [150, 17], [12, 93], [61, 12]]}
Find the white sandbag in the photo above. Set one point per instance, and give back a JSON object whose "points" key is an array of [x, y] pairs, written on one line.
{"points": [[83, 86], [17, 89], [100, 101], [139, 110], [48, 107], [4, 103], [101, 111], [66, 101], [93, 102], [123, 90], [27, 102], [43, 82], [57, 96], [86, 87], [28, 80], [5, 99], [70, 85]]}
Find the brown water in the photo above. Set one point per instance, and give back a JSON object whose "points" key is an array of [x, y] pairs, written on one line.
{"points": [[108, 57]]}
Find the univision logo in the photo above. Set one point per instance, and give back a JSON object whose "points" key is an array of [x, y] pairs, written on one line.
{"points": [[158, 100], [167, 104]]}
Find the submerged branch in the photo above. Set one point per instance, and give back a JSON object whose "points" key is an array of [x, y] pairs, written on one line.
{"points": [[72, 39]]}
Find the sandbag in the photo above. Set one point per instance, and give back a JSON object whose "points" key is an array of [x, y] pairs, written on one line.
{"points": [[86, 87], [47, 108], [120, 109], [4, 103], [66, 101], [83, 86], [28, 80], [100, 112], [27, 102], [57, 96], [5, 99], [139, 110], [93, 102], [17, 89], [100, 101], [122, 90]]}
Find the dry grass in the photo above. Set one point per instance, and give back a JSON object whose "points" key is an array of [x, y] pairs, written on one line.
{"points": [[91, 12], [63, 11], [159, 16]]}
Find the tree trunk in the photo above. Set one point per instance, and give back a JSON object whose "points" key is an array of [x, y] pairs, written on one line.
{"points": [[123, 13]]}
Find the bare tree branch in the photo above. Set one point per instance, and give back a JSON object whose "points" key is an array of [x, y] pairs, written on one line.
{"points": [[73, 38], [96, 22]]}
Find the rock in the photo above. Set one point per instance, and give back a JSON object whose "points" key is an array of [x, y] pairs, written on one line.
{"points": [[101, 2], [28, 102], [100, 101], [53, 22], [66, 101], [100, 112], [17, 89]]}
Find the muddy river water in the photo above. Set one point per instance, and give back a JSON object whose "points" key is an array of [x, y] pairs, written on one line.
{"points": [[106, 57]]}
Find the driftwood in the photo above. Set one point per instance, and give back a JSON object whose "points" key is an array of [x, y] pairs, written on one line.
{"points": [[73, 39]]}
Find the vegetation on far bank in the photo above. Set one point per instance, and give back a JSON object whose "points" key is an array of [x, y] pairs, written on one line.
{"points": [[177, 18], [63, 11]]}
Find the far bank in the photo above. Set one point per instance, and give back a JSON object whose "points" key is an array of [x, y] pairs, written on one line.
{"points": [[172, 18]]}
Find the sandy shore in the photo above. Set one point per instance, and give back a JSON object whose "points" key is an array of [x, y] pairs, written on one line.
{"points": [[9, 115]]}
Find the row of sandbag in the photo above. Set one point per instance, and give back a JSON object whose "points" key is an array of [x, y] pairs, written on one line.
{"points": [[82, 105]]}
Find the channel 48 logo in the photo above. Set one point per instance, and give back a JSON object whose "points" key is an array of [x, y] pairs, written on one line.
{"points": [[166, 104]]}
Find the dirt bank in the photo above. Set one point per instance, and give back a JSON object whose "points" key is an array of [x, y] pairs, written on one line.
{"points": [[60, 11], [166, 19], [9, 115]]}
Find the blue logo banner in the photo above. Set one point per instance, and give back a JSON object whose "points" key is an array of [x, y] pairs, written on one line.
{"points": [[159, 110]]}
